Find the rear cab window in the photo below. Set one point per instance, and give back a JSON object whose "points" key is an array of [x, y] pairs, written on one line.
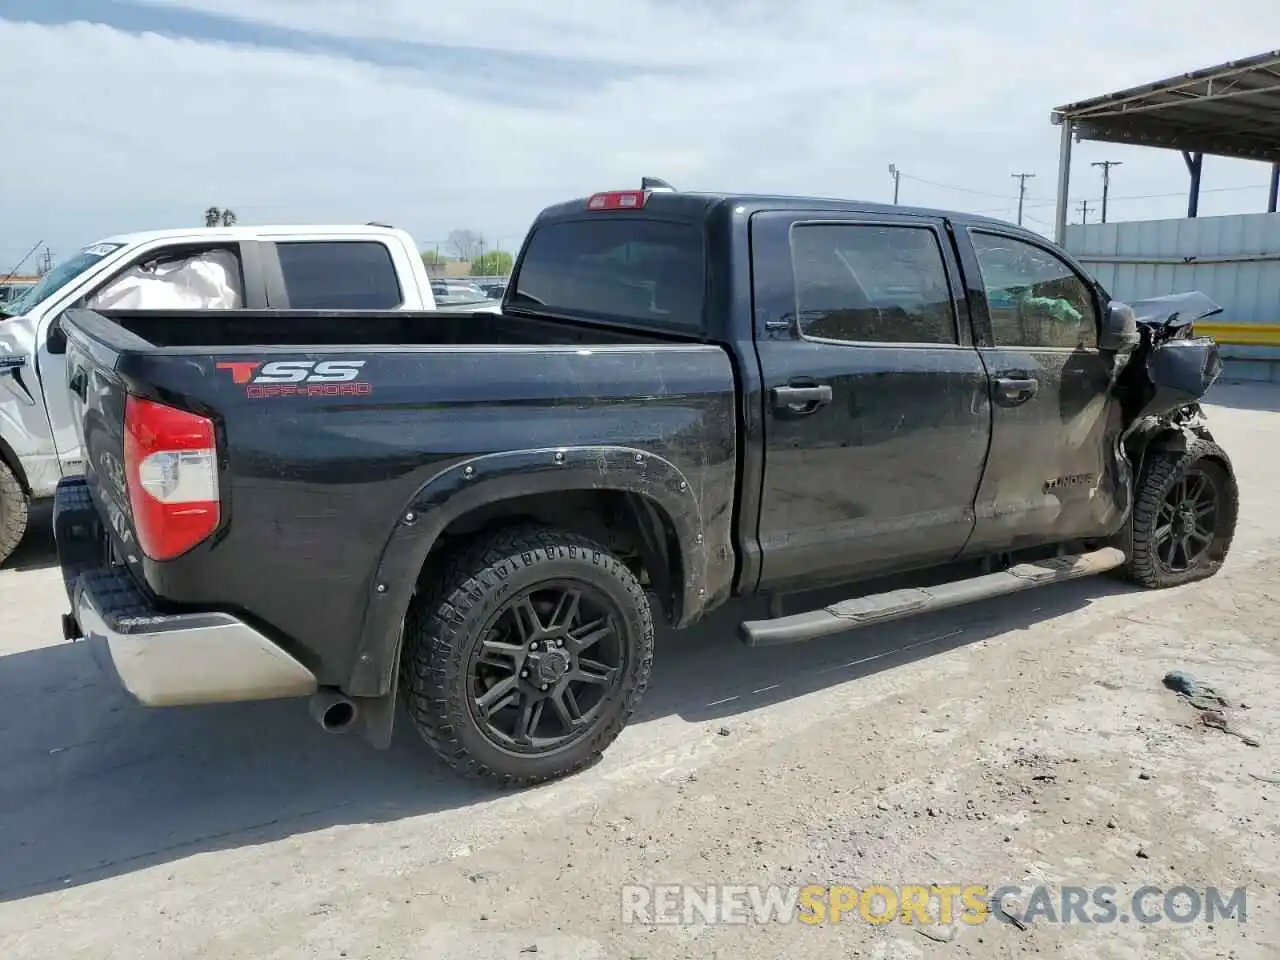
{"points": [[339, 275], [629, 269]]}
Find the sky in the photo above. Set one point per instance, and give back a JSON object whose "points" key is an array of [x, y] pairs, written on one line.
{"points": [[124, 115]]}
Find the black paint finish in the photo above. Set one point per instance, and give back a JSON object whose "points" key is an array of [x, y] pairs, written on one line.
{"points": [[883, 476], [881, 457], [316, 490]]}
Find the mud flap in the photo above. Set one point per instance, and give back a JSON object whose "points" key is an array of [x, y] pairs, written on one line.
{"points": [[378, 715]]}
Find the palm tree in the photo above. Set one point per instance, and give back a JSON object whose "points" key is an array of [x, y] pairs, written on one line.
{"points": [[214, 217]]}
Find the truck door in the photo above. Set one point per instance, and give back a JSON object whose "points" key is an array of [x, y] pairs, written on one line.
{"points": [[1051, 475], [876, 411]]}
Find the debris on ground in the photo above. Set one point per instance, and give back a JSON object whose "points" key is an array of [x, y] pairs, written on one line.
{"points": [[1211, 704], [1199, 695], [999, 907], [1218, 721], [943, 933]]}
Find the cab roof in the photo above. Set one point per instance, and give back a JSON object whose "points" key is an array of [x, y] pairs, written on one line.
{"points": [[254, 232], [699, 205]]}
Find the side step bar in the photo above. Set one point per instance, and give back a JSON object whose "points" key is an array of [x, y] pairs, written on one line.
{"points": [[900, 604]]}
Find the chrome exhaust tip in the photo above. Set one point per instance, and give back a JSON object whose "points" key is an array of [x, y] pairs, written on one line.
{"points": [[333, 711]]}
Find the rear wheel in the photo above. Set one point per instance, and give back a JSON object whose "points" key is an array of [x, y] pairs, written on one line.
{"points": [[13, 512], [1184, 517], [529, 656]]}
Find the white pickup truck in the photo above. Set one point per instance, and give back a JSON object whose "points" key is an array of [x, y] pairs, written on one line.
{"points": [[370, 267]]}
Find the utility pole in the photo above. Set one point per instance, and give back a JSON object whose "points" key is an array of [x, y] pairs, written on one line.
{"points": [[897, 175], [1022, 179], [1106, 166], [1084, 211]]}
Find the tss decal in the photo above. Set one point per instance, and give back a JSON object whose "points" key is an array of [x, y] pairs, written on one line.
{"points": [[298, 378]]}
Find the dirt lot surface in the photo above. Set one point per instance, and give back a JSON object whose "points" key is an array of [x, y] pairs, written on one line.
{"points": [[1023, 742]]}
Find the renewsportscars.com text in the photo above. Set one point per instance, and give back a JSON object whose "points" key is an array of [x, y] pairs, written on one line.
{"points": [[926, 904]]}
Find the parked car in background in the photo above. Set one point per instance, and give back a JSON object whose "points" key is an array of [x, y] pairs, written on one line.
{"points": [[457, 293], [365, 267], [685, 398], [12, 289]]}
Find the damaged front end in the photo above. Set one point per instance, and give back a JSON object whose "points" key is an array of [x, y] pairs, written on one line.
{"points": [[1176, 367], [1164, 376]]}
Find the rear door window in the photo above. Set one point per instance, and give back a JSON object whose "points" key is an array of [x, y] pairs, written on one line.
{"points": [[871, 283], [645, 271], [339, 275]]}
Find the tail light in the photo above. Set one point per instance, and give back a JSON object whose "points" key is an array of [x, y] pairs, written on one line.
{"points": [[618, 200], [171, 464]]}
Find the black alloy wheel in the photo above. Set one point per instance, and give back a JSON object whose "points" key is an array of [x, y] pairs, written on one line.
{"points": [[525, 653], [1184, 516], [547, 666], [1186, 521]]}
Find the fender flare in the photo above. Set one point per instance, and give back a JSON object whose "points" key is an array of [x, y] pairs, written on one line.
{"points": [[479, 481], [1163, 434], [1153, 434]]}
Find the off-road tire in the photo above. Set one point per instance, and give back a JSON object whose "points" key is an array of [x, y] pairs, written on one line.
{"points": [[1161, 471], [448, 618], [13, 512]]}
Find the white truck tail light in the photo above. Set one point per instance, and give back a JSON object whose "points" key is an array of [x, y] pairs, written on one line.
{"points": [[171, 465]]}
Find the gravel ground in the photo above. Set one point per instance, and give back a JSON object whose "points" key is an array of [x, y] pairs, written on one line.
{"points": [[1026, 742]]}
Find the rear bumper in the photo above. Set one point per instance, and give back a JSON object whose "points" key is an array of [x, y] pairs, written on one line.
{"points": [[163, 659]]}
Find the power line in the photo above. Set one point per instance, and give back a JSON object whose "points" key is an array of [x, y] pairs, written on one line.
{"points": [[1106, 166], [18, 266], [1044, 201], [1022, 179], [951, 186]]}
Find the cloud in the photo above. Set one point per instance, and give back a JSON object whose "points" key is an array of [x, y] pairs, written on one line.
{"points": [[441, 116]]}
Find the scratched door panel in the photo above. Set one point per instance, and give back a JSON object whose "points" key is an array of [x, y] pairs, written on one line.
{"points": [[883, 473]]}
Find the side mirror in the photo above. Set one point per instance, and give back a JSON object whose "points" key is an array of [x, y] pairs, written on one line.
{"points": [[1119, 331], [57, 338]]}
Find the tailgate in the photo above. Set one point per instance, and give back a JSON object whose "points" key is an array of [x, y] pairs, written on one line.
{"points": [[98, 395]]}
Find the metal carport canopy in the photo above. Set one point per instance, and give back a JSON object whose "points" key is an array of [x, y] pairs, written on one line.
{"points": [[1231, 110]]}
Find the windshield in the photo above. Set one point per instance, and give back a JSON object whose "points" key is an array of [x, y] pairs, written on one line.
{"points": [[59, 277]]}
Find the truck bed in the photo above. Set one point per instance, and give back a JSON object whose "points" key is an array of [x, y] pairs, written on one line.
{"points": [[240, 328], [316, 479]]}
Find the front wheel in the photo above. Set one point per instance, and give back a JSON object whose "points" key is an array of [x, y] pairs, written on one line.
{"points": [[13, 512], [528, 656], [1184, 516]]}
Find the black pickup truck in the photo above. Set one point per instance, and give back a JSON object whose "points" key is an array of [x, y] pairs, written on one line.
{"points": [[686, 398]]}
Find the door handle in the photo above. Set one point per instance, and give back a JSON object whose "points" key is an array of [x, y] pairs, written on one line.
{"points": [[802, 398], [1016, 390]]}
